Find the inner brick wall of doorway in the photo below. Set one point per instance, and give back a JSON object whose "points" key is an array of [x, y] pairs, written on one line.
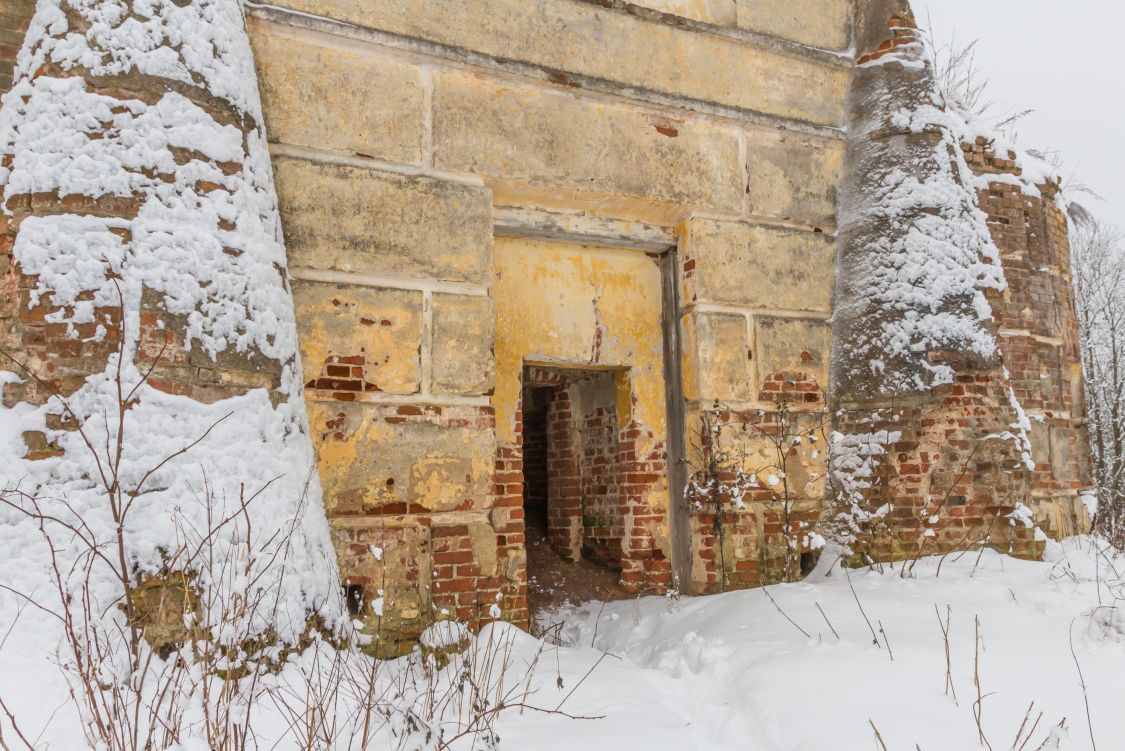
{"points": [[601, 476]]}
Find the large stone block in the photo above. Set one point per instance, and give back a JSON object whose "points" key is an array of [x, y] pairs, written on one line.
{"points": [[744, 264], [354, 219], [792, 345], [372, 458], [818, 23], [343, 328], [338, 99], [562, 144], [719, 364], [613, 45], [462, 357], [793, 177]]}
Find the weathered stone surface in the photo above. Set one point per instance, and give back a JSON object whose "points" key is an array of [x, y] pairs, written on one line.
{"points": [[563, 144], [401, 573], [376, 330], [322, 97], [614, 45], [354, 219], [397, 459], [818, 23], [793, 177], [718, 366], [791, 345], [756, 266], [462, 357], [718, 12], [564, 304]]}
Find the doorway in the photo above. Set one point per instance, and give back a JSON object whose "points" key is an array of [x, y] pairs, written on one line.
{"points": [[573, 505], [581, 405]]}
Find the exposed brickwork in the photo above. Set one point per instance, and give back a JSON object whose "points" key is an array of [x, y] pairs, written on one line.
{"points": [[14, 18], [430, 565], [793, 388], [1038, 332], [600, 476], [564, 476], [343, 378], [950, 479], [903, 31], [59, 357], [535, 457], [953, 464], [603, 524], [642, 468], [603, 475]]}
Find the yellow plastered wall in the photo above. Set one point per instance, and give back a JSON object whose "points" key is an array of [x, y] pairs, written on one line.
{"points": [[584, 307]]}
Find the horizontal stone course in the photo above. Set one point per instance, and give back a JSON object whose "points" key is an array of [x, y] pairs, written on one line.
{"points": [[819, 23], [378, 331], [463, 363], [792, 346], [718, 365], [762, 267], [561, 144], [586, 39], [793, 177]]}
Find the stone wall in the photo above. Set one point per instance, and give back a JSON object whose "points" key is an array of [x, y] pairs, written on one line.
{"points": [[412, 140], [650, 193]]}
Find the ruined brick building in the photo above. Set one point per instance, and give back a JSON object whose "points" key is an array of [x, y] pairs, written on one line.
{"points": [[532, 243]]}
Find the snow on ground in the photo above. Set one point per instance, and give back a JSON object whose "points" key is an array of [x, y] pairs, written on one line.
{"points": [[732, 672]]}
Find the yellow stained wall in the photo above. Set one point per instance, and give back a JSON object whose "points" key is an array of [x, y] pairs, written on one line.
{"points": [[578, 306]]}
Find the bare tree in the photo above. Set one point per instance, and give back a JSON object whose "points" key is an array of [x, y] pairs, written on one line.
{"points": [[1098, 258]]}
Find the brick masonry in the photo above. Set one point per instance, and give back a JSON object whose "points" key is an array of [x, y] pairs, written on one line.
{"points": [[599, 474], [14, 18], [951, 469], [1038, 332], [766, 541], [58, 358]]}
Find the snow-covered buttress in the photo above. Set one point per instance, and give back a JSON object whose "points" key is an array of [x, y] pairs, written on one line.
{"points": [[138, 190]]}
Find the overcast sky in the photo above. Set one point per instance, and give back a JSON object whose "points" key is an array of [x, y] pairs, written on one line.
{"points": [[1057, 57]]}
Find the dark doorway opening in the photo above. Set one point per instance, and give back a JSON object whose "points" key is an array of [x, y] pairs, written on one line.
{"points": [[536, 402], [573, 511]]}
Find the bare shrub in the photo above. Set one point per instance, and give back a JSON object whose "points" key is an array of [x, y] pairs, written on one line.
{"points": [[729, 478], [163, 657]]}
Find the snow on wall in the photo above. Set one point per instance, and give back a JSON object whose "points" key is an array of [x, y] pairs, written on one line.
{"points": [[915, 344], [924, 270], [205, 238]]}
